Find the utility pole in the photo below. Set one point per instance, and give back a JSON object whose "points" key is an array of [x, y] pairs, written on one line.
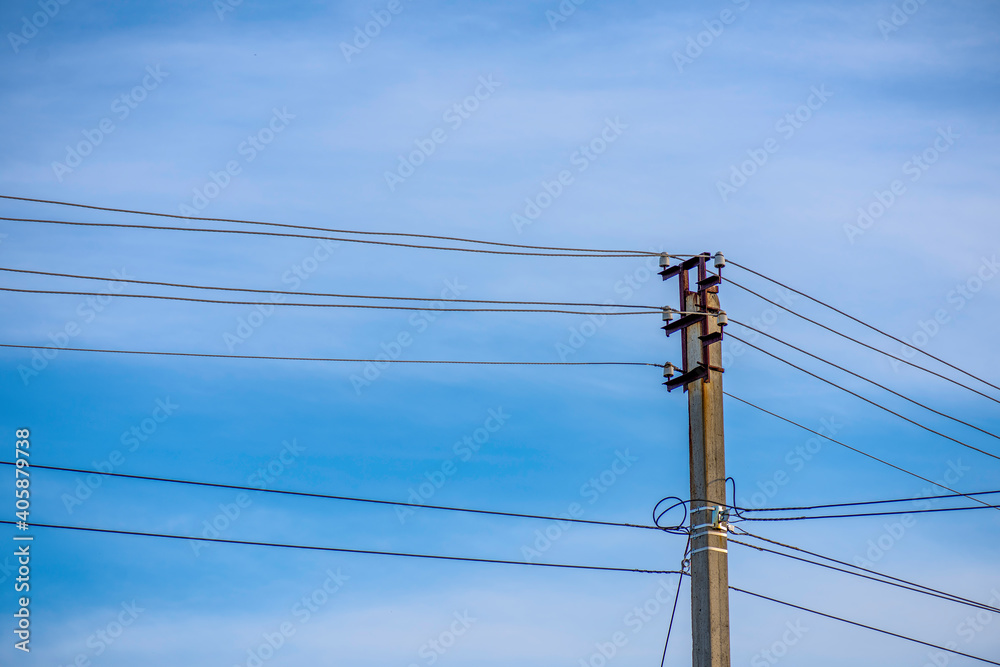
{"points": [[701, 324]]}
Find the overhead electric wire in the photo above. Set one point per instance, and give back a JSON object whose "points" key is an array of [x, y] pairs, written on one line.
{"points": [[677, 596], [740, 511], [956, 598], [119, 225], [670, 626], [326, 294], [856, 450], [363, 306], [862, 377], [306, 494], [861, 343], [335, 231], [867, 400], [367, 552], [862, 625], [864, 576], [865, 502], [331, 359], [867, 514], [910, 586], [865, 324]]}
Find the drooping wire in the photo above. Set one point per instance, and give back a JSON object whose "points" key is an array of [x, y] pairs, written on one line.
{"points": [[681, 528], [862, 625], [326, 229], [862, 377], [366, 552], [737, 511], [865, 324], [331, 359], [305, 494], [363, 306], [677, 595], [730, 281], [327, 295], [855, 449], [890, 581], [257, 232], [866, 400]]}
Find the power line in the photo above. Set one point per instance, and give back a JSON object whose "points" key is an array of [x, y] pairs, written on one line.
{"points": [[865, 324], [866, 514], [323, 305], [332, 359], [862, 344], [862, 625], [862, 569], [862, 377], [335, 231], [367, 552], [677, 596], [867, 400], [865, 502], [329, 295], [864, 576], [898, 583], [855, 449], [739, 511], [119, 225], [306, 494], [670, 626]]}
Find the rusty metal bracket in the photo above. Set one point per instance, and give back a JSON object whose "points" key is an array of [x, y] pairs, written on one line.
{"points": [[683, 380], [704, 284]]}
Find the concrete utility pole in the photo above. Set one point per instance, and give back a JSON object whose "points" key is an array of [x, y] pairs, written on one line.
{"points": [[709, 559], [702, 379]]}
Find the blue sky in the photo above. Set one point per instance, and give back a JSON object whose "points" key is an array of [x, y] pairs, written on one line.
{"points": [[258, 113]]}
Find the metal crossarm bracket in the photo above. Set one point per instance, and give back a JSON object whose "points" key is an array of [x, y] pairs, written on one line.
{"points": [[698, 373], [684, 266], [682, 323], [708, 339], [711, 281], [703, 284]]}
